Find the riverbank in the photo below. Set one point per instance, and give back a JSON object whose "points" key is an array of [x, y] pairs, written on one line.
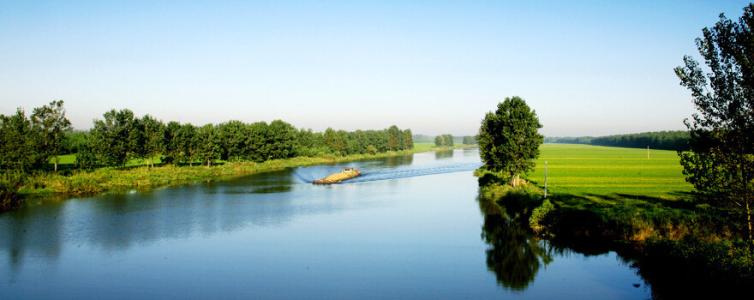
{"points": [[674, 244], [117, 180]]}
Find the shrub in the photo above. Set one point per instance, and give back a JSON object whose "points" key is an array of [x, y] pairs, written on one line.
{"points": [[539, 214]]}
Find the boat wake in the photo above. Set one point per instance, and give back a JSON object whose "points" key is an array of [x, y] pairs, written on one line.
{"points": [[396, 173]]}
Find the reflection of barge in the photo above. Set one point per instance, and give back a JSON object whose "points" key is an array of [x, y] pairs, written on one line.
{"points": [[346, 174]]}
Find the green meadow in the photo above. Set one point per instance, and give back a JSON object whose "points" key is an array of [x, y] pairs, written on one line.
{"points": [[596, 171]]}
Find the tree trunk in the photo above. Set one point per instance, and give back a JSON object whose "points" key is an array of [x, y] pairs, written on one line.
{"points": [[748, 221], [56, 165]]}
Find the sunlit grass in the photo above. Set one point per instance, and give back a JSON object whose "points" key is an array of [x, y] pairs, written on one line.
{"points": [[586, 170]]}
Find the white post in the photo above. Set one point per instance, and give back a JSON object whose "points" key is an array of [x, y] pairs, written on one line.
{"points": [[647, 151], [545, 179]]}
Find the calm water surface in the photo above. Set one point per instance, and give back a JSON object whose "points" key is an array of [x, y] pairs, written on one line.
{"points": [[410, 228]]}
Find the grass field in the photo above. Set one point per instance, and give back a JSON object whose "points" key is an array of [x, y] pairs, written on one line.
{"points": [[585, 170]]}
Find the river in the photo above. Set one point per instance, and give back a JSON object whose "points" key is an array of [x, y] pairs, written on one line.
{"points": [[410, 228]]}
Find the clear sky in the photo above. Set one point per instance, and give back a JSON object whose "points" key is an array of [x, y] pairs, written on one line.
{"points": [[586, 67]]}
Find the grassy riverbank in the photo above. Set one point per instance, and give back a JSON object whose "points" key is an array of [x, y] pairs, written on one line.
{"points": [[620, 199], [143, 177]]}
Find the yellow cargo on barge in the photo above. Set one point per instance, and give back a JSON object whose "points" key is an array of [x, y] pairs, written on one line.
{"points": [[346, 174]]}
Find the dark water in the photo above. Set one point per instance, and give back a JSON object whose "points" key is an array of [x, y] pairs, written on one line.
{"points": [[410, 228]]}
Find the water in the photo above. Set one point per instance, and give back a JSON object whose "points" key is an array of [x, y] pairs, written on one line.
{"points": [[410, 228]]}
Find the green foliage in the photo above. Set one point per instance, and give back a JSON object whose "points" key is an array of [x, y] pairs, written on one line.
{"points": [[536, 220], [444, 140], [73, 141], [112, 139], [408, 140], [17, 148], [186, 144], [281, 140], [172, 152], [720, 163], [154, 137], [86, 158], [509, 139], [208, 144], [394, 138], [49, 125]]}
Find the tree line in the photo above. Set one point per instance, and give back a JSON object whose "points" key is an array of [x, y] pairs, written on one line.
{"points": [[32, 143], [665, 140]]}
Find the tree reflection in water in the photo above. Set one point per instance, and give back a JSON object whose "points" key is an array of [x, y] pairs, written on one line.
{"points": [[514, 254]]}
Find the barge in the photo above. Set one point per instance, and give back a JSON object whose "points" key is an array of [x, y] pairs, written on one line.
{"points": [[341, 176]]}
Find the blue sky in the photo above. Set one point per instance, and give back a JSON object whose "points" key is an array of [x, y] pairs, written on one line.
{"points": [[586, 67]]}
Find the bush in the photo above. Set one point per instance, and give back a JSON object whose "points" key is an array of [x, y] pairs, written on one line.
{"points": [[539, 214]]}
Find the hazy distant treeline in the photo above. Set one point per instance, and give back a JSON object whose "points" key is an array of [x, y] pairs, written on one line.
{"points": [[666, 140], [466, 139]]}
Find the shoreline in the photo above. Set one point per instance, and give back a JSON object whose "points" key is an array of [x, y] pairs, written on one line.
{"points": [[144, 178], [658, 238]]}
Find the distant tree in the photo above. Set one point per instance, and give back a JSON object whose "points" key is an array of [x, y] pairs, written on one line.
{"points": [[154, 138], [50, 124], [208, 144], [469, 140], [509, 139], [394, 138], [74, 140], [721, 161], [310, 143], [336, 141], [186, 144], [281, 140], [170, 141], [444, 140], [408, 140], [235, 140], [86, 158], [113, 139], [258, 141], [17, 143]]}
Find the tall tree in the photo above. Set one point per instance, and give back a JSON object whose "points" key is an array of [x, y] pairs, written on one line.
{"points": [[280, 140], [113, 138], [154, 138], [170, 142], [408, 140], [509, 139], [335, 140], [17, 145], [208, 143], [235, 139], [393, 138], [721, 161], [50, 124], [258, 141], [186, 144]]}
